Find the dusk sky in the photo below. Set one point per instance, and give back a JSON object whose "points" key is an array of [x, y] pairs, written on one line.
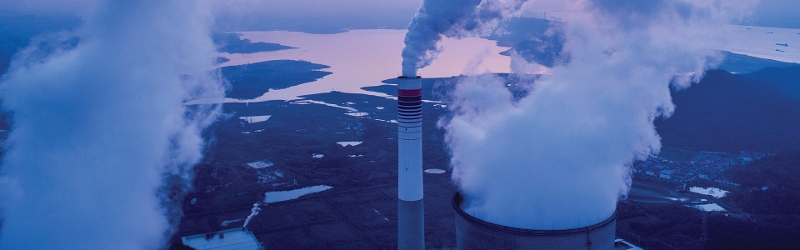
{"points": [[369, 14], [316, 124]]}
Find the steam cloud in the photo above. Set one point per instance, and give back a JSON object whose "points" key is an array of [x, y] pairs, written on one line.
{"points": [[452, 18], [559, 158], [99, 128], [253, 212]]}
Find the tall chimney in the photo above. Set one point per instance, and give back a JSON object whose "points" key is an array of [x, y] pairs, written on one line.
{"points": [[410, 214]]}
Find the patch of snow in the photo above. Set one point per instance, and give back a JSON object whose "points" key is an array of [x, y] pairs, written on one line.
{"points": [[255, 119], [278, 196], [379, 214], [246, 133], [716, 192], [260, 164], [269, 176], [354, 156], [317, 156], [349, 103], [435, 171], [259, 130], [389, 121], [712, 207], [379, 108], [357, 114], [682, 199], [349, 143], [326, 104]]}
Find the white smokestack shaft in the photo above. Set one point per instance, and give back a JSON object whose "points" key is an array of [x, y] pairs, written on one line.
{"points": [[409, 164], [409, 139]]}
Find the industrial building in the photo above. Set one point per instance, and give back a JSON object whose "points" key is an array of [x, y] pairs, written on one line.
{"points": [[474, 233], [231, 239]]}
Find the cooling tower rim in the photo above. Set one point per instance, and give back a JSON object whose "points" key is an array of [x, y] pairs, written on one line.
{"points": [[457, 199], [408, 77]]}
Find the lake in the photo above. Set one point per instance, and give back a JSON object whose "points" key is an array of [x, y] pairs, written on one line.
{"points": [[361, 58]]}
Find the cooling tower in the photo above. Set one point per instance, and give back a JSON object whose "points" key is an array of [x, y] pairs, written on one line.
{"points": [[410, 214], [473, 233]]}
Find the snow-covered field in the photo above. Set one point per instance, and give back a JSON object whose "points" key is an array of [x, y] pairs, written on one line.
{"points": [[357, 114], [389, 121], [708, 207], [255, 119], [278, 196], [349, 143], [260, 164], [435, 171], [324, 103], [716, 192]]}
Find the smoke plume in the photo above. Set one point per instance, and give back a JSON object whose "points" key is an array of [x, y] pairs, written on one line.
{"points": [[560, 157], [253, 212], [98, 128], [451, 18]]}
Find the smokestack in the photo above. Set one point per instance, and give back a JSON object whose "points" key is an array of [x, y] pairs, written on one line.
{"points": [[474, 233], [410, 214]]}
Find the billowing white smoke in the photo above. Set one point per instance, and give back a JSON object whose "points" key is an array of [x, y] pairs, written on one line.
{"points": [[253, 212], [98, 128], [452, 18], [559, 158]]}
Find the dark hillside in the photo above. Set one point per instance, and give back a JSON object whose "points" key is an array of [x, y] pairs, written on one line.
{"points": [[772, 185], [728, 112], [787, 80], [253, 80]]}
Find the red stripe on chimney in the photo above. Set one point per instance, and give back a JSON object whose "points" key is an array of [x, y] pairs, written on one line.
{"points": [[409, 92]]}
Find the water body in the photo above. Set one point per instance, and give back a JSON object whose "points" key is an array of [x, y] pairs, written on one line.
{"points": [[361, 58], [278, 196], [762, 42]]}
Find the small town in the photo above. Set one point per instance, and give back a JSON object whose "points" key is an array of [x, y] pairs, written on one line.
{"points": [[703, 165]]}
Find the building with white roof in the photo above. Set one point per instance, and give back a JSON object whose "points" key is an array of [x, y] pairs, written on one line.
{"points": [[231, 239]]}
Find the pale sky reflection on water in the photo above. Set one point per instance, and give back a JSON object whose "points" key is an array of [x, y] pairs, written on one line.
{"points": [[360, 58]]}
